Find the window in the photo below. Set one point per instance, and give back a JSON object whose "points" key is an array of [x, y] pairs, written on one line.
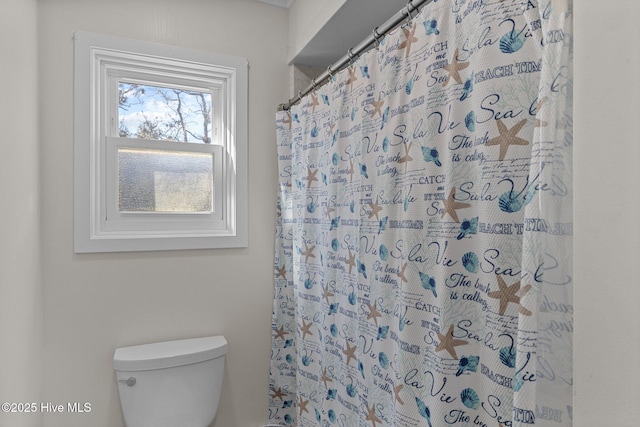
{"points": [[160, 147]]}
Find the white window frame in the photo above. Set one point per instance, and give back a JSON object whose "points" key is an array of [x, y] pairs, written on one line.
{"points": [[101, 61]]}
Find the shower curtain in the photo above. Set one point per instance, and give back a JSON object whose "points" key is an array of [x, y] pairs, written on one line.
{"points": [[423, 257]]}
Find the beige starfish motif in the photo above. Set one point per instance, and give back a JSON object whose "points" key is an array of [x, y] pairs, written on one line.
{"points": [[451, 205], [351, 261], [396, 392], [449, 343], [326, 378], [352, 76], [329, 211], [306, 329], [350, 352], [407, 157], [278, 394], [375, 208], [280, 333], [302, 405], [410, 36], [288, 120], [453, 69], [371, 416], [507, 294], [282, 272], [401, 273], [377, 107], [311, 176], [308, 252], [373, 313], [326, 294], [507, 137], [314, 102]]}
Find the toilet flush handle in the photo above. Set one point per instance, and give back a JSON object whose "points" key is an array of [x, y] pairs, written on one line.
{"points": [[131, 381]]}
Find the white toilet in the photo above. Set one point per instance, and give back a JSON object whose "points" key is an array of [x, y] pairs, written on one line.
{"points": [[172, 383]]}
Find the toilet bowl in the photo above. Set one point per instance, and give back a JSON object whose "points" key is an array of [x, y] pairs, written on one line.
{"points": [[171, 383]]}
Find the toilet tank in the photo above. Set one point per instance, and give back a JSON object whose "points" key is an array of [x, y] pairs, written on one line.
{"points": [[171, 383]]}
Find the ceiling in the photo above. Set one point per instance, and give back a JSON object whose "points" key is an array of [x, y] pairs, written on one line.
{"points": [[350, 25]]}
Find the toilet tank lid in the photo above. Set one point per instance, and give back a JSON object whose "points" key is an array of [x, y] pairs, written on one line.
{"points": [[168, 354]]}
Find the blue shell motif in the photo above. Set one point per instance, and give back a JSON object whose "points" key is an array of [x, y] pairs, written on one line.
{"points": [[352, 298], [467, 88], [333, 308], [382, 225], [353, 113], [470, 121], [364, 69], [334, 159], [332, 415], [383, 359], [470, 398], [306, 360], [470, 262], [335, 223], [311, 207], [468, 226], [334, 330], [288, 343], [468, 364], [335, 244], [385, 117], [363, 170], [361, 368], [383, 331], [332, 393], [308, 283], [362, 269], [431, 27], [508, 356], [352, 390], [318, 416], [384, 252], [325, 99], [429, 283], [289, 358], [510, 203], [288, 419], [511, 42], [431, 155], [287, 404], [352, 206], [385, 144]]}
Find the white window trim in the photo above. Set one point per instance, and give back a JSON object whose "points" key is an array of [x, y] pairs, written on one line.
{"points": [[97, 55]]}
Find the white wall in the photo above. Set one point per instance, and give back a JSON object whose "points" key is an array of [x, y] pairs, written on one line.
{"points": [[95, 303], [21, 338], [607, 202], [306, 18]]}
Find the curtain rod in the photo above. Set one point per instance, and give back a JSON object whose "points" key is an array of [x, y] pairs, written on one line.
{"points": [[354, 52]]}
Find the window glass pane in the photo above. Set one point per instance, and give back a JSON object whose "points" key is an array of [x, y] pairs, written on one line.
{"points": [[169, 114], [165, 181]]}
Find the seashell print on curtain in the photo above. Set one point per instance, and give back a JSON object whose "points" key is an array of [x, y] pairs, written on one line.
{"points": [[423, 256]]}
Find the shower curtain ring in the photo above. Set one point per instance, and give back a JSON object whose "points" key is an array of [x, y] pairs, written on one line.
{"points": [[314, 85], [330, 72], [376, 36], [351, 56]]}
